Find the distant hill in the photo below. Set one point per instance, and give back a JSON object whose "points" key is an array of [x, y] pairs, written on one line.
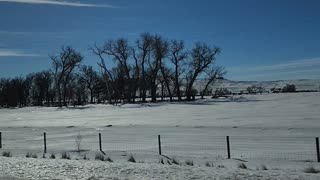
{"points": [[237, 86]]}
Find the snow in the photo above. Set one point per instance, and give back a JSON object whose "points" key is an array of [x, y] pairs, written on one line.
{"points": [[276, 130], [237, 86], [80, 169]]}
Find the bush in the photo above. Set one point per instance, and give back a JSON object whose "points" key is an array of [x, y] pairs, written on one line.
{"points": [[221, 92], [85, 157], [175, 161], [132, 159], [34, 156], [264, 167], [242, 166], [189, 162], [255, 89], [52, 156], [99, 156], [6, 154], [311, 169], [108, 159], [208, 164], [161, 161], [289, 88], [28, 155], [65, 155]]}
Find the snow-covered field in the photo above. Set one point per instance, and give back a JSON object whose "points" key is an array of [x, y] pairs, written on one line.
{"points": [[276, 130]]}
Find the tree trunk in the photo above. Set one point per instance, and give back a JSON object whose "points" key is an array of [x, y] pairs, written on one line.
{"points": [[162, 91], [59, 97], [153, 92], [91, 96], [64, 94], [177, 84], [166, 81]]}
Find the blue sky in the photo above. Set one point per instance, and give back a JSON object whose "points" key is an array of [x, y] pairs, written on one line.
{"points": [[260, 39]]}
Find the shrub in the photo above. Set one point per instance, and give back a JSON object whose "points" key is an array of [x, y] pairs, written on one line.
{"points": [[34, 156], [161, 161], [131, 159], [220, 166], [311, 169], [28, 155], [289, 88], [221, 92], [208, 164], [65, 155], [52, 156], [189, 162], [264, 167], [175, 161], [85, 157], [242, 166], [255, 89], [99, 156], [6, 154], [108, 159]]}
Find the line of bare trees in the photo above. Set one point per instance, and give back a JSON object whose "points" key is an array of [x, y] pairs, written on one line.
{"points": [[150, 68]]}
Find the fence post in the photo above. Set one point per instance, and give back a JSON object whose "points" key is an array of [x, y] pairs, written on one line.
{"points": [[100, 145], [228, 147], [45, 142], [317, 145], [159, 141], [0, 140]]}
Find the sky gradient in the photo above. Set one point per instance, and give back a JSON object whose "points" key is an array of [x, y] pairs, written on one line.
{"points": [[260, 39]]}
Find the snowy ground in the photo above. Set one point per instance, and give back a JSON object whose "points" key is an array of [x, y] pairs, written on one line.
{"points": [[22, 168], [276, 130]]}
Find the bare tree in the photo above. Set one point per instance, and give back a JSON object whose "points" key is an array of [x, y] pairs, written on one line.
{"points": [[203, 57], [106, 72], [63, 65], [161, 49], [212, 74], [90, 77], [120, 51], [178, 56], [42, 82], [141, 54]]}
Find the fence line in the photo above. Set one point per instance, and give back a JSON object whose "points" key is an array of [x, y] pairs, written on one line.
{"points": [[234, 147]]}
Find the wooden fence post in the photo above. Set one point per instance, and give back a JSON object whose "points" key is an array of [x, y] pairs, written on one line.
{"points": [[317, 146], [100, 145], [0, 140], [228, 147], [45, 142], [159, 142]]}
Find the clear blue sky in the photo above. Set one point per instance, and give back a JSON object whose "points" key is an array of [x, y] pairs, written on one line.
{"points": [[260, 39]]}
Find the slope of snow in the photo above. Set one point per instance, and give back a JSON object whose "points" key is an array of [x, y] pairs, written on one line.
{"points": [[298, 110]]}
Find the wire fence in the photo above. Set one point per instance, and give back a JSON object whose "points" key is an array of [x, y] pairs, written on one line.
{"points": [[202, 146]]}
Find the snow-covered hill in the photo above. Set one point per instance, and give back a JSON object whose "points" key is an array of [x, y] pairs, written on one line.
{"points": [[237, 86]]}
